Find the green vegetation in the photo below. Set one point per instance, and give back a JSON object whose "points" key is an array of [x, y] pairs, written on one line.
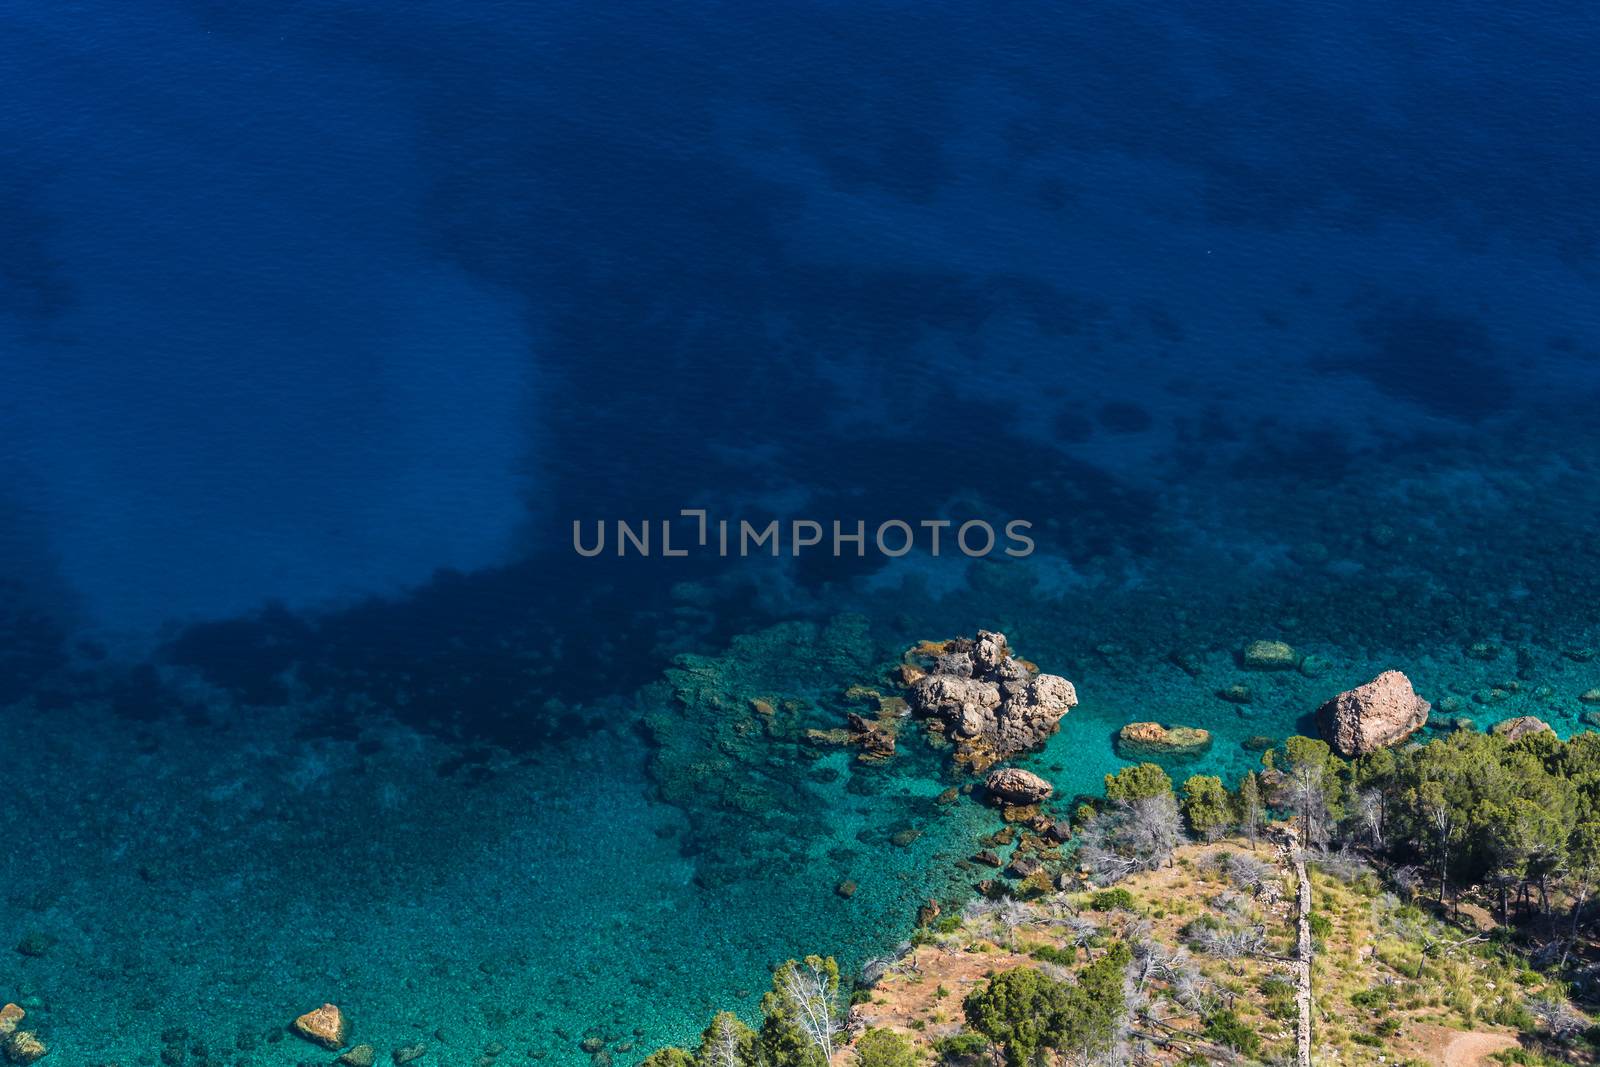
{"points": [[1138, 783], [1227, 1029], [1025, 1011], [1111, 900], [881, 1047], [1206, 806]]}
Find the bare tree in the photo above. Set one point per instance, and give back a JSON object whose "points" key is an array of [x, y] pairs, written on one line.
{"points": [[1131, 836], [1557, 1016], [1367, 816], [724, 1046], [810, 993]]}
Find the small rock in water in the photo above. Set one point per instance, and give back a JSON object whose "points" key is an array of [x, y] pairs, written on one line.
{"points": [[846, 889], [1236, 694], [1483, 650], [987, 858], [1139, 739], [904, 838], [407, 1053], [1187, 662], [1314, 666], [1579, 654], [1012, 785], [1520, 727], [1022, 866], [1590, 696], [24, 1047], [36, 944], [1268, 656], [325, 1027], [360, 1056], [10, 1016]]}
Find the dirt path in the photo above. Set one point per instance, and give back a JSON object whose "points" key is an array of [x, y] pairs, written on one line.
{"points": [[1474, 1050]]}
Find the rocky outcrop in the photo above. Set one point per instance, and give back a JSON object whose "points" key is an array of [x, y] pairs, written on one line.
{"points": [[10, 1016], [325, 1027], [1011, 785], [991, 704], [1139, 740], [1383, 712], [1520, 727]]}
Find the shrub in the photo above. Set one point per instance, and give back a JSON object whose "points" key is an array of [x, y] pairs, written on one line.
{"points": [[1111, 900], [1066, 957], [960, 1047], [1226, 1028], [668, 1057]]}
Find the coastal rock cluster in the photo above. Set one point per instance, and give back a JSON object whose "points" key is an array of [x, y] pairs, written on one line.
{"points": [[991, 704], [1381, 713]]}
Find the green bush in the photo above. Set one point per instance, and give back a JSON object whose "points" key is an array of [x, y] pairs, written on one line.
{"points": [[960, 1047], [1321, 925], [1111, 900], [879, 1047], [1066, 957], [1370, 999], [1226, 1028], [668, 1057]]}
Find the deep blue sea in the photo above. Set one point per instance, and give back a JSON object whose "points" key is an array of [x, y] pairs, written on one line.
{"points": [[322, 323]]}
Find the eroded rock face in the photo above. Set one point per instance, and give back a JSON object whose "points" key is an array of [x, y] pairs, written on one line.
{"points": [[1012, 785], [1381, 713], [991, 704]]}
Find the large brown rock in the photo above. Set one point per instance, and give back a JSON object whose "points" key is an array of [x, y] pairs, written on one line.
{"points": [[1012, 785], [325, 1027], [10, 1016], [1383, 712], [991, 704]]}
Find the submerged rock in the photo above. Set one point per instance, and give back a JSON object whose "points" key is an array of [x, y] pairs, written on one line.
{"points": [[1268, 656], [1139, 739], [407, 1053], [24, 1047], [360, 1056], [1520, 727], [325, 1026], [1012, 785], [992, 704], [10, 1016], [1381, 713]]}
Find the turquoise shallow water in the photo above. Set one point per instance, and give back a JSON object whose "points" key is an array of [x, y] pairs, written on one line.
{"points": [[623, 885]]}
